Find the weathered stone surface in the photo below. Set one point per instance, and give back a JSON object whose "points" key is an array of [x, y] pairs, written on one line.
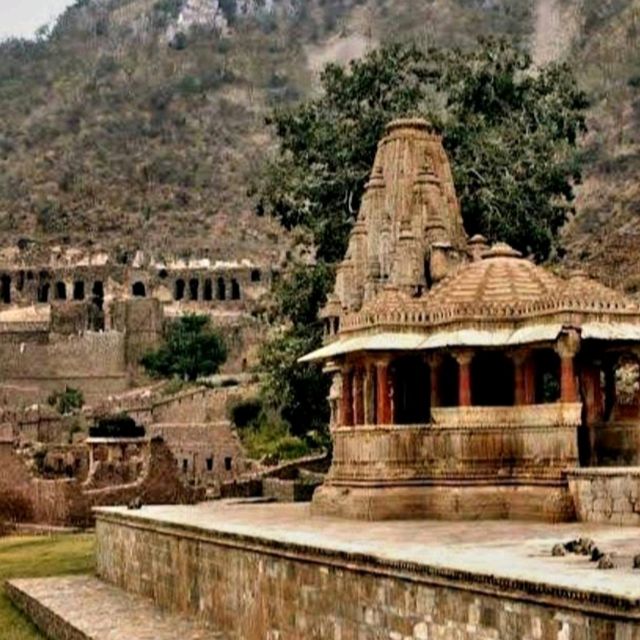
{"points": [[270, 571], [84, 608]]}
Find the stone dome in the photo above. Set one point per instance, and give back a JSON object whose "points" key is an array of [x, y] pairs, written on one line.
{"points": [[501, 278]]}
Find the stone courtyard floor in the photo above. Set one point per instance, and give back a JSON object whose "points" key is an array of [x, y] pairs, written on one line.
{"points": [[501, 549]]}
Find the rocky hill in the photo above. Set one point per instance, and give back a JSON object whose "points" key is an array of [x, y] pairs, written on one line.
{"points": [[141, 122]]}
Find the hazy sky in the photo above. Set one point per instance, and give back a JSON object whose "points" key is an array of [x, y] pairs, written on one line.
{"points": [[23, 17]]}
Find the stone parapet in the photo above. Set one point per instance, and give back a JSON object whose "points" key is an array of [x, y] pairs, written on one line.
{"points": [[606, 494]]}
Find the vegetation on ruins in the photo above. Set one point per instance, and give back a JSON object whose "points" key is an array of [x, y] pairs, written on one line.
{"points": [[511, 134], [67, 401], [192, 348]]}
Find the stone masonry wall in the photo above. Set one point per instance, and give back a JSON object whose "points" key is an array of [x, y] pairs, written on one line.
{"points": [[605, 494], [283, 593]]}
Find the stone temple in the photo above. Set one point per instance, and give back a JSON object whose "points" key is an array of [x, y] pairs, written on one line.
{"points": [[468, 381]]}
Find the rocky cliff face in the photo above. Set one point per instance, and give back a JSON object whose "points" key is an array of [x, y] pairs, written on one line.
{"points": [[141, 122]]}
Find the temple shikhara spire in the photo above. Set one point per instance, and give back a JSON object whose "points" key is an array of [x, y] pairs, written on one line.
{"points": [[467, 380]]}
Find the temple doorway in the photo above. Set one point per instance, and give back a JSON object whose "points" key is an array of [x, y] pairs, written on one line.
{"points": [[411, 387], [492, 380]]}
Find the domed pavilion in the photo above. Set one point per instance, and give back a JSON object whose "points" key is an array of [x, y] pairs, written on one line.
{"points": [[467, 380]]}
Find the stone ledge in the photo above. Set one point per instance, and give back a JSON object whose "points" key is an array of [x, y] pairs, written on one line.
{"points": [[595, 472], [85, 608], [620, 603]]}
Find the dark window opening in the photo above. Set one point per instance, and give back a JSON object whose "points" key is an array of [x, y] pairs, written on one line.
{"points": [[139, 290], [235, 290], [208, 290], [61, 291], [163, 274], [411, 402], [447, 382], [209, 464], [194, 286], [43, 292], [179, 291], [227, 464], [547, 376], [98, 294], [5, 281], [78, 290], [256, 276], [492, 380], [29, 275], [221, 290], [336, 326], [185, 465]]}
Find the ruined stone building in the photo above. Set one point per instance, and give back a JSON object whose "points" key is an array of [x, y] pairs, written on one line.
{"points": [[469, 382], [85, 319]]}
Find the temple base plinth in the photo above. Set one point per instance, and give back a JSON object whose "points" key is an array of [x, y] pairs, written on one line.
{"points": [[468, 502]]}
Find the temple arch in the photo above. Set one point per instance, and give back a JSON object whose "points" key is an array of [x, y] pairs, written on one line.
{"points": [[61, 291], [43, 292], [78, 290], [194, 287], [139, 290], [179, 289], [221, 289], [208, 290], [235, 289]]}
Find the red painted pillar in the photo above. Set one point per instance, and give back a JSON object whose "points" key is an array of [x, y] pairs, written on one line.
{"points": [[358, 396], [592, 393], [567, 348], [435, 361], [346, 402], [518, 371], [383, 396], [464, 379], [529, 381]]}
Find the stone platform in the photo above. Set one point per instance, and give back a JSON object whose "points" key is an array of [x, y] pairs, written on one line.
{"points": [[267, 572], [85, 608]]}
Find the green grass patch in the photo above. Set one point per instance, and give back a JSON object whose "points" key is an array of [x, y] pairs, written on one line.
{"points": [[38, 557]]}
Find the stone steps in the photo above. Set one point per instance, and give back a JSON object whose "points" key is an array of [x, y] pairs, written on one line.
{"points": [[85, 608]]}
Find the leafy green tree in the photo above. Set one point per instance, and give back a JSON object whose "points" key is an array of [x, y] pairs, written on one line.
{"points": [[510, 131], [66, 401], [192, 349]]}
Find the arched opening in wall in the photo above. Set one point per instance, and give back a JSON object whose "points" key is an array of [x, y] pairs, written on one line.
{"points": [[256, 275], [447, 382], [97, 292], [178, 293], [29, 275], [194, 286], [61, 291], [235, 289], [78, 290], [43, 292], [139, 290], [411, 400], [221, 289], [546, 364], [208, 290], [5, 286], [492, 380], [163, 274]]}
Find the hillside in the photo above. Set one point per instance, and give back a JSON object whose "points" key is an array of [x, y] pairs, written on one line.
{"points": [[141, 122]]}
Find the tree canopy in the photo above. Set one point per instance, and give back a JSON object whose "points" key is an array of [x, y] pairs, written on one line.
{"points": [[510, 131], [192, 349]]}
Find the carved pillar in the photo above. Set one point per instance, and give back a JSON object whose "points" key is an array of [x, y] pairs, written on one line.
{"points": [[464, 377], [383, 393], [434, 361], [567, 348], [530, 381], [346, 404], [358, 396], [592, 393], [524, 392]]}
